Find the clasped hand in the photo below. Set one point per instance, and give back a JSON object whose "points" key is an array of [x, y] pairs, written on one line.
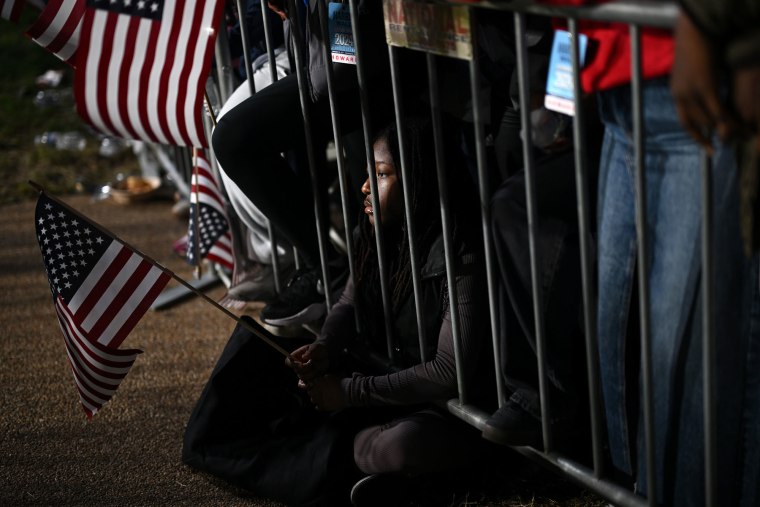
{"points": [[310, 363]]}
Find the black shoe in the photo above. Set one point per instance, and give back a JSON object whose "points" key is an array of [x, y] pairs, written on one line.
{"points": [[381, 490], [512, 425], [301, 301]]}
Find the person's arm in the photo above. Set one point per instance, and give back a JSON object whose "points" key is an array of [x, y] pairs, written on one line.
{"points": [[436, 379], [710, 34], [732, 25], [694, 84]]}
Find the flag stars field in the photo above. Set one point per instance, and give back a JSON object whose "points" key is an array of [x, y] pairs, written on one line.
{"points": [[99, 295]]}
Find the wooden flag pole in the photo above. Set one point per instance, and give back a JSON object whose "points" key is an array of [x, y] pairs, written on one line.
{"points": [[196, 223], [258, 333]]}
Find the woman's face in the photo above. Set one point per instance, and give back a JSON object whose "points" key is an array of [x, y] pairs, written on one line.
{"points": [[390, 196]]}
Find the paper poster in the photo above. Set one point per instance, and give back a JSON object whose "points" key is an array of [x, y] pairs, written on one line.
{"points": [[433, 28]]}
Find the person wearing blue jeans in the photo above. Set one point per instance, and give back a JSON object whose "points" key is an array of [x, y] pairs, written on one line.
{"points": [[716, 85], [673, 223]]}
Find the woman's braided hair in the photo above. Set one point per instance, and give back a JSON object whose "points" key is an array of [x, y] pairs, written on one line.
{"points": [[424, 211]]}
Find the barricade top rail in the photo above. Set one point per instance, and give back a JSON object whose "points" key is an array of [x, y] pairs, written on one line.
{"points": [[645, 12]]}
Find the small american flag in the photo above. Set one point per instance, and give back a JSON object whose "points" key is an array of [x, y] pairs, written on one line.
{"points": [[142, 66], [57, 28], [101, 288], [213, 228], [11, 9]]}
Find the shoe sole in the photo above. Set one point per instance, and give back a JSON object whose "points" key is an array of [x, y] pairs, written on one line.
{"points": [[355, 490], [309, 314]]}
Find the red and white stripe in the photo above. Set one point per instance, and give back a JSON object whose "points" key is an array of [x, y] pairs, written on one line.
{"points": [[98, 370], [11, 9], [144, 79], [58, 27], [116, 294], [206, 190]]}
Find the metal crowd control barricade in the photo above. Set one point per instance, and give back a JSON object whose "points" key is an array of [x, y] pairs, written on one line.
{"points": [[636, 14]]}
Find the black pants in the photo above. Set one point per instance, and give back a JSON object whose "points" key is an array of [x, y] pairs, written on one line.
{"points": [[249, 140], [560, 282]]}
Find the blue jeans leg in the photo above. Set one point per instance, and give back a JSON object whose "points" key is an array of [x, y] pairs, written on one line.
{"points": [[673, 207], [617, 256]]}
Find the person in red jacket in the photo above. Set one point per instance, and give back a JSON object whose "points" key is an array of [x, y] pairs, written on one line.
{"points": [[673, 206]]}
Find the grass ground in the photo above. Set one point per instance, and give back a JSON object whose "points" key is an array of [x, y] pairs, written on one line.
{"points": [[21, 61]]}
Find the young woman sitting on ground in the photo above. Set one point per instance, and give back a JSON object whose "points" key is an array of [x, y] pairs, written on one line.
{"points": [[390, 414], [419, 438]]}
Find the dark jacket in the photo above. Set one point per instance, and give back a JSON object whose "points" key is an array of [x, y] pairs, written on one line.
{"points": [[410, 381], [734, 25]]}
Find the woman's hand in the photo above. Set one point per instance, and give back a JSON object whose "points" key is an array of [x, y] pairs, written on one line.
{"points": [[309, 361], [325, 392]]}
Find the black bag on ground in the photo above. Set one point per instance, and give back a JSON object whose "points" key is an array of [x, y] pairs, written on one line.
{"points": [[256, 430]]}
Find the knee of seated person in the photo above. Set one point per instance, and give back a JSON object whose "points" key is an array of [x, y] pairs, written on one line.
{"points": [[227, 140], [382, 450], [413, 460]]}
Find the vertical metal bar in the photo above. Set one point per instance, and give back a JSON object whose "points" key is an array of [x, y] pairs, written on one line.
{"points": [[406, 180], [448, 248], [274, 77], [303, 87], [209, 120], [379, 236], [589, 299], [338, 139], [643, 261], [268, 38], [708, 343], [196, 210], [530, 195], [252, 88], [224, 65], [180, 155], [246, 45], [485, 206], [296, 258]]}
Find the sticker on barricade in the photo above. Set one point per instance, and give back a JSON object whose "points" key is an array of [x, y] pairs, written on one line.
{"points": [[341, 34], [440, 29], [560, 82]]}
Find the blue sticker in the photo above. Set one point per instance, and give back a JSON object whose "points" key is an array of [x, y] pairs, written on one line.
{"points": [[559, 82]]}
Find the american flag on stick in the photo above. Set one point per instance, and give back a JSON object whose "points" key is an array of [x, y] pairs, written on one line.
{"points": [[11, 9], [142, 66], [57, 28], [208, 237], [101, 288]]}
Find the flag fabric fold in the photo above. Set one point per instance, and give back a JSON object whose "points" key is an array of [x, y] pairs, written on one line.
{"points": [[11, 9], [209, 235], [142, 67], [57, 28], [101, 288]]}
